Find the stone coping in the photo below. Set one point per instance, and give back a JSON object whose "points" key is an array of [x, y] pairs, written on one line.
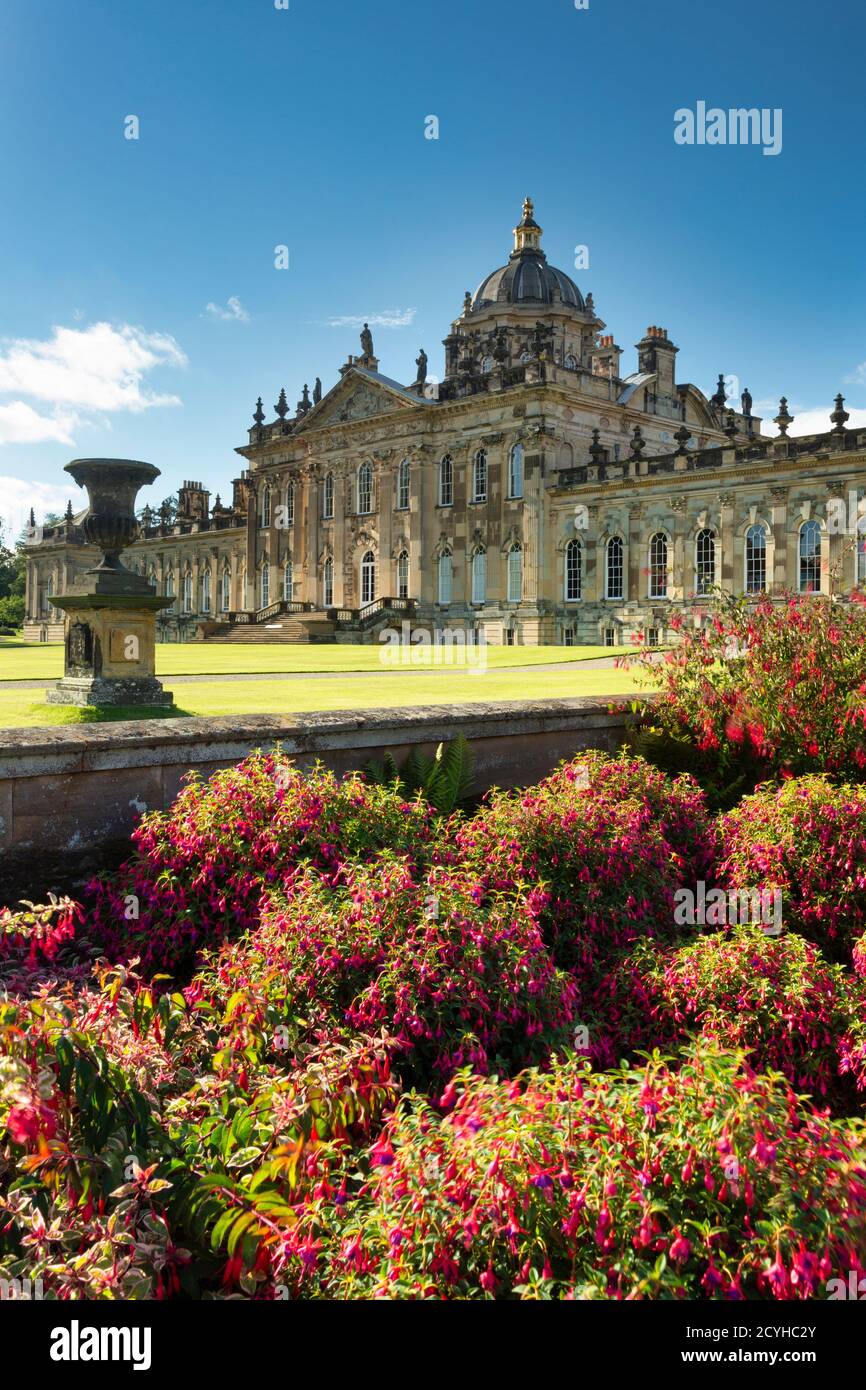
{"points": [[125, 743]]}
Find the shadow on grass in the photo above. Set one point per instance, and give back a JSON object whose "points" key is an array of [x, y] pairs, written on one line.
{"points": [[91, 714]]}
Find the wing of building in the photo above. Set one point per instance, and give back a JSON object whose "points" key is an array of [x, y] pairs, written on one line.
{"points": [[534, 493]]}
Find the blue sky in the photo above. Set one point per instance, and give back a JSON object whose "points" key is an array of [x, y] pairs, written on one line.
{"points": [[305, 127]]}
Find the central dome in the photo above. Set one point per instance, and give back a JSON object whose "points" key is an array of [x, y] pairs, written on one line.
{"points": [[527, 278]]}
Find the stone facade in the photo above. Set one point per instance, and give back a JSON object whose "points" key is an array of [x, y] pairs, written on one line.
{"points": [[533, 493]]}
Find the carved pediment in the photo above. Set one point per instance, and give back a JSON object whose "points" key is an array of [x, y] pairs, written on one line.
{"points": [[357, 397]]}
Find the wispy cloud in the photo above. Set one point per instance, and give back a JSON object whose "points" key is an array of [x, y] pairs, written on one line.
{"points": [[79, 374], [232, 312], [858, 376], [817, 420], [388, 318], [17, 496]]}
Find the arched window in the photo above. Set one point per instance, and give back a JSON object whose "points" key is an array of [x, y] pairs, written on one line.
{"points": [[403, 486], [290, 504], [226, 590], [486, 365], [571, 362], [446, 482], [445, 573], [614, 568], [658, 565], [368, 577], [479, 477], [328, 497], [205, 591], [266, 507], [365, 488], [287, 577], [756, 560], [515, 573], [479, 575], [186, 592], [169, 585], [705, 561], [810, 557], [328, 583], [151, 577], [861, 550], [265, 586], [403, 575], [573, 571], [515, 472]]}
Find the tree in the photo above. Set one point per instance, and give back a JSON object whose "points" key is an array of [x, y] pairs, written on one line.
{"points": [[12, 584]]}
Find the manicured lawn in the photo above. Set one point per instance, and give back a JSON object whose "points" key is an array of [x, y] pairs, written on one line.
{"points": [[29, 661], [25, 708]]}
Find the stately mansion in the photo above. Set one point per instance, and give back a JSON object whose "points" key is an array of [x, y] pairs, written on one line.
{"points": [[534, 493]]}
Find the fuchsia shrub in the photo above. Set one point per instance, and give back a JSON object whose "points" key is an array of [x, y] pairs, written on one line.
{"points": [[573, 1184], [200, 867], [339, 944], [807, 838], [775, 998], [451, 983], [599, 848], [773, 687]]}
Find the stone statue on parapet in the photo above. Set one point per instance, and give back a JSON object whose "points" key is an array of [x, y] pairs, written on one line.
{"points": [[367, 341], [421, 364]]}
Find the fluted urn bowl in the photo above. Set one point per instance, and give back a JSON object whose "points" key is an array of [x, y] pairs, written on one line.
{"points": [[112, 487]]}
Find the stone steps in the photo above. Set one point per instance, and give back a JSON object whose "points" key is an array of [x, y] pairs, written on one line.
{"points": [[312, 629]]}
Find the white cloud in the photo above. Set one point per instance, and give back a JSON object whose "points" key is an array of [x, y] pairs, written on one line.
{"points": [[21, 424], [818, 421], [233, 312], [389, 318], [79, 373], [17, 496], [858, 376]]}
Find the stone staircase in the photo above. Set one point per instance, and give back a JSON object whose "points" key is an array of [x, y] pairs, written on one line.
{"points": [[301, 622], [313, 627]]}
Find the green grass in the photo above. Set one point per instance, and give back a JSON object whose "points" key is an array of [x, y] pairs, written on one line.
{"points": [[19, 708], [31, 661]]}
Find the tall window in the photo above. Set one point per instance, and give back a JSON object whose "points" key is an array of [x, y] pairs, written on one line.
{"points": [[861, 550], [658, 566], [365, 488], [266, 507], [515, 472], [810, 557], [169, 586], [614, 571], [479, 575], [479, 477], [328, 497], [756, 560], [287, 577], [290, 504], [515, 574], [368, 577], [445, 572], [205, 591], [265, 586], [705, 561], [226, 590], [573, 571], [446, 482], [403, 575], [186, 592], [328, 583], [403, 486]]}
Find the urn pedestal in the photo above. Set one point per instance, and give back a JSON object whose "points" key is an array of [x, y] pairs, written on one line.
{"points": [[110, 628]]}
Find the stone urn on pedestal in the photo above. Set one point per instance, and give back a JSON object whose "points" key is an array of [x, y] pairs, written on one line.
{"points": [[110, 637]]}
